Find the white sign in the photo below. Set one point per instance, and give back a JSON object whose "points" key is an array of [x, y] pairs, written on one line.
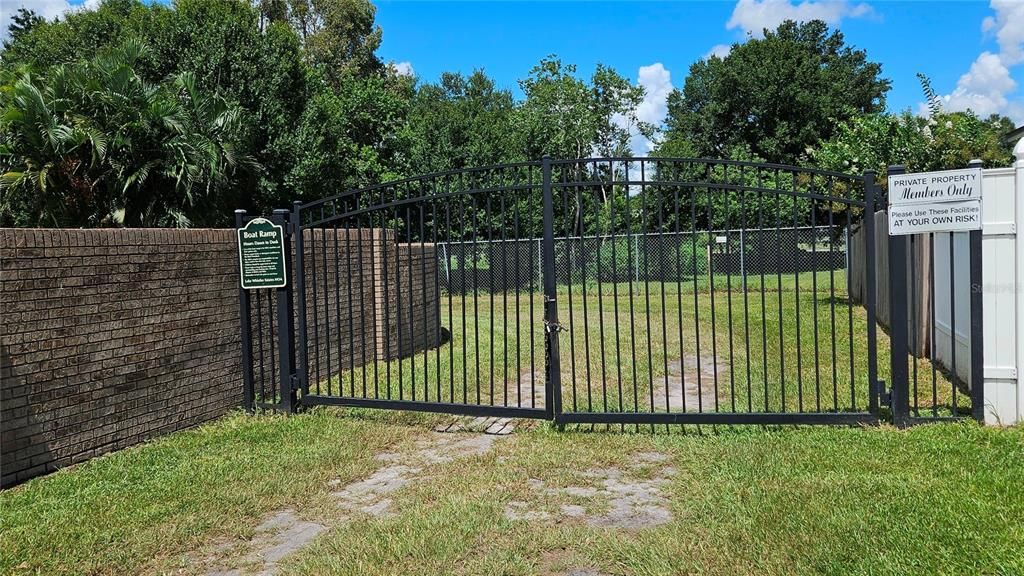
{"points": [[948, 201], [938, 217]]}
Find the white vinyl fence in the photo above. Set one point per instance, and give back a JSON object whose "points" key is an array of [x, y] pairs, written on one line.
{"points": [[1003, 294]]}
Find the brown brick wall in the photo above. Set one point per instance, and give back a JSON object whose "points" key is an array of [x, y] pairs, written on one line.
{"points": [[417, 296], [111, 337], [393, 282]]}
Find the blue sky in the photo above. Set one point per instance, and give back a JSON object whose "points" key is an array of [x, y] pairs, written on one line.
{"points": [[940, 39], [972, 51]]}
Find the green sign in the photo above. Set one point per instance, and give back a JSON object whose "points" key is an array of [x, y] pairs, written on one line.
{"points": [[261, 255]]}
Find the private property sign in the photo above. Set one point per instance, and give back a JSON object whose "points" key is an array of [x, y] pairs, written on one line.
{"points": [[261, 255], [948, 201]]}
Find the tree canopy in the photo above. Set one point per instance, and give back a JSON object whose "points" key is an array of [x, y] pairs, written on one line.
{"points": [[93, 143], [945, 140], [144, 114], [778, 96]]}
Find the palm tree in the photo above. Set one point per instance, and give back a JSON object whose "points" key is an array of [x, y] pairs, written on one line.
{"points": [[93, 143]]}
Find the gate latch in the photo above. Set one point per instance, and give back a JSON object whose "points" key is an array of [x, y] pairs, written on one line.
{"points": [[884, 395], [550, 327]]}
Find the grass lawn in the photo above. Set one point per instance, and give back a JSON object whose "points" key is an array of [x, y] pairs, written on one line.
{"points": [[939, 499], [789, 344]]}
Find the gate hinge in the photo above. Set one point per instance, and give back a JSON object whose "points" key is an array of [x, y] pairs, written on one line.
{"points": [[884, 395], [295, 383]]}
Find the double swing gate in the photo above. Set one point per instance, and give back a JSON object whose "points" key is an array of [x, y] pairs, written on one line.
{"points": [[611, 290]]}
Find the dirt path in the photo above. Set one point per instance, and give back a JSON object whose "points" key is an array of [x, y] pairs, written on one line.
{"points": [[690, 385], [629, 498], [284, 532]]}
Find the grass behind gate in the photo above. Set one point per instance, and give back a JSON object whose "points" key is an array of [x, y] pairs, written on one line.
{"points": [[939, 499], [789, 344]]}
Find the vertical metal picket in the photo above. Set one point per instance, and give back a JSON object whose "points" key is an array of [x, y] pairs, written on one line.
{"points": [[553, 384], [286, 321], [899, 372], [244, 313]]}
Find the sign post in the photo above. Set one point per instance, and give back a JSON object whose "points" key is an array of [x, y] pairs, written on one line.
{"points": [[261, 255], [947, 201]]}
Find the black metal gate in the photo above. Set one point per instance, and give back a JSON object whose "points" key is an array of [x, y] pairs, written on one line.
{"points": [[606, 290]]}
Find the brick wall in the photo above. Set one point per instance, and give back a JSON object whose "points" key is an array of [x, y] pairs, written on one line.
{"points": [[112, 337], [341, 330], [389, 281], [415, 275]]}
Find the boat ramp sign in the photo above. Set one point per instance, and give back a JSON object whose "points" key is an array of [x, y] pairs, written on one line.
{"points": [[261, 255]]}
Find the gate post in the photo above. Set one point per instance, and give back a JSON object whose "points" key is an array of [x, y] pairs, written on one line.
{"points": [[875, 388], [302, 365], [899, 372], [553, 388], [286, 321], [245, 312], [977, 329]]}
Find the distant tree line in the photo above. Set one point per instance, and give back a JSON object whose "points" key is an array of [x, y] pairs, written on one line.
{"points": [[140, 114]]}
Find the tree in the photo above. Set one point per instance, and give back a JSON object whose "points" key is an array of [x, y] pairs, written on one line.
{"points": [[81, 34], [339, 36], [956, 138], [779, 96], [220, 44], [313, 98], [347, 138], [22, 23], [462, 122], [92, 143], [556, 118], [566, 117], [943, 142]]}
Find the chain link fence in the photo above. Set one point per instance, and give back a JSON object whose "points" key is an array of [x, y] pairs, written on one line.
{"points": [[516, 265]]}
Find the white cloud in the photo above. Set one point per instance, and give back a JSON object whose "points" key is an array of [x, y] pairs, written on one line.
{"points": [[983, 88], [753, 16], [987, 87], [1008, 24], [48, 9], [720, 50], [656, 81], [404, 69]]}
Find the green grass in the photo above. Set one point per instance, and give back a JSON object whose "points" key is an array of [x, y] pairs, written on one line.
{"points": [[786, 344], [940, 499], [112, 514]]}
